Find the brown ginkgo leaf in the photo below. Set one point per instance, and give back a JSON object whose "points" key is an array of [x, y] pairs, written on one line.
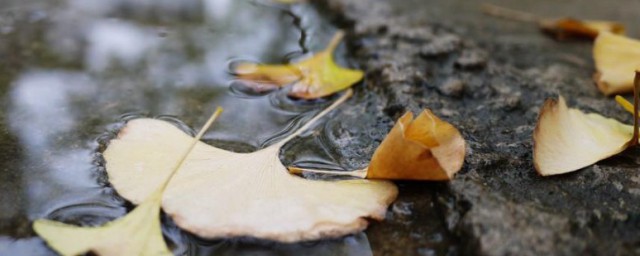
{"points": [[223, 194], [560, 28], [616, 58], [424, 148], [311, 78], [567, 139]]}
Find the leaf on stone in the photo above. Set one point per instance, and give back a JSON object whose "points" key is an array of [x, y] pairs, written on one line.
{"points": [[311, 78], [137, 233], [561, 28], [567, 139], [424, 148], [568, 27], [616, 58], [222, 194]]}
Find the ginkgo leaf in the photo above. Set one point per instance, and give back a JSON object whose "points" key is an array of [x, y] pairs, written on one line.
{"points": [[569, 27], [219, 193], [561, 28], [616, 58], [312, 78], [567, 139], [137, 233], [426, 148]]}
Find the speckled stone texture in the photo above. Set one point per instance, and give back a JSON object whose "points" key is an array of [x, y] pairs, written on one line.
{"points": [[490, 84]]}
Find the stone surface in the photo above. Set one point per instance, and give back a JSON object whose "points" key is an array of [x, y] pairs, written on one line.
{"points": [[489, 78]]}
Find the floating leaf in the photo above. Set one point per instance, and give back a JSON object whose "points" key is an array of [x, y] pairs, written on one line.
{"points": [[561, 28], [312, 78], [220, 194], [566, 140], [616, 58], [137, 233], [426, 148]]}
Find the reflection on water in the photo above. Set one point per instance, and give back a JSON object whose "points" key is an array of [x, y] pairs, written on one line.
{"points": [[72, 68]]}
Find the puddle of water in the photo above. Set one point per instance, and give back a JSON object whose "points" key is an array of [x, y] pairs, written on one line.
{"points": [[73, 69]]}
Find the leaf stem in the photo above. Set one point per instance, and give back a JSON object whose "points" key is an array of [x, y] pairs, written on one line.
{"points": [[188, 150], [636, 85], [357, 173], [309, 123], [335, 41], [510, 14]]}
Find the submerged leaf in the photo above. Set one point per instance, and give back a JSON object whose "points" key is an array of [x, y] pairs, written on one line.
{"points": [[616, 58], [567, 139], [426, 148], [312, 78], [220, 194], [138, 233]]}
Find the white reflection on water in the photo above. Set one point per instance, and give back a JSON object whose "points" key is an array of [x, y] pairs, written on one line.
{"points": [[26, 246], [42, 107], [44, 118], [117, 41]]}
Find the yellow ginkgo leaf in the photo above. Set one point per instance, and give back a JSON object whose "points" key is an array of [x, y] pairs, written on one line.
{"points": [[616, 58], [567, 139], [424, 148], [221, 194], [312, 78], [137, 233]]}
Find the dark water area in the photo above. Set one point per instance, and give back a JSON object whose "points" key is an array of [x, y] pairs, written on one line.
{"points": [[72, 71]]}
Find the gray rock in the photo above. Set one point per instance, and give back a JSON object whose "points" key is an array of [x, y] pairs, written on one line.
{"points": [[497, 205]]}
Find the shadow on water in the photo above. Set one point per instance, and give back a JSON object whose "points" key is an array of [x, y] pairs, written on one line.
{"points": [[73, 69]]}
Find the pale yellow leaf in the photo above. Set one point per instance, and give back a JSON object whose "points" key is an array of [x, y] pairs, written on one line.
{"points": [[221, 194], [616, 58], [567, 139]]}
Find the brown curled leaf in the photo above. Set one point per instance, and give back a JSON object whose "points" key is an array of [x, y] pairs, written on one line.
{"points": [[572, 28], [424, 148]]}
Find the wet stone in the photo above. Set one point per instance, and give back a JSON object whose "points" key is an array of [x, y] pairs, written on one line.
{"points": [[452, 87], [440, 45], [471, 59], [498, 204]]}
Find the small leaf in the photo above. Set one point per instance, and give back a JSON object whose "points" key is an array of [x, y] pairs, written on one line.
{"points": [[138, 233], [561, 28], [569, 27], [312, 78], [567, 139], [221, 194], [616, 58], [426, 148]]}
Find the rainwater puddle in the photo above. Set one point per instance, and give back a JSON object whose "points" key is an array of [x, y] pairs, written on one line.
{"points": [[72, 70]]}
